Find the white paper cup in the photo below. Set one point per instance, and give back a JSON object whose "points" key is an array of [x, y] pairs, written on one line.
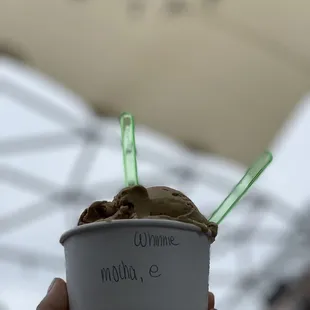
{"points": [[138, 264]]}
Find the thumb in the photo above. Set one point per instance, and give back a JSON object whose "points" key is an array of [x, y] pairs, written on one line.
{"points": [[211, 301], [56, 298]]}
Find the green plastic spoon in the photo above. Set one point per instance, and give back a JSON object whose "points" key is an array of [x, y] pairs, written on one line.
{"points": [[241, 188], [129, 149]]}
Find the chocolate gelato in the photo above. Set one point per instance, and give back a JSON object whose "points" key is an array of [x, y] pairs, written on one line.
{"points": [[154, 202]]}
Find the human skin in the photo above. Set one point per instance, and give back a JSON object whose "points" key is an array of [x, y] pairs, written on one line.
{"points": [[57, 297]]}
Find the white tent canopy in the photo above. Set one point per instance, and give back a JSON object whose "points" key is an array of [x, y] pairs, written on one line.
{"points": [[221, 76]]}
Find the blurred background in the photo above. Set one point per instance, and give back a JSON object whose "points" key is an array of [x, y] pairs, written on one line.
{"points": [[212, 84]]}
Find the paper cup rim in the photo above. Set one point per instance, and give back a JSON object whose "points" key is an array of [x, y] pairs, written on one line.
{"points": [[128, 223]]}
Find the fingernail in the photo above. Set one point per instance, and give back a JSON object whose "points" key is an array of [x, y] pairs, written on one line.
{"points": [[51, 285]]}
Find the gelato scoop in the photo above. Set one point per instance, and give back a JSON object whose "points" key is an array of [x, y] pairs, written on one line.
{"points": [[138, 202]]}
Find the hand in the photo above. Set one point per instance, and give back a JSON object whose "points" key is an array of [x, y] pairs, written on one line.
{"points": [[57, 297]]}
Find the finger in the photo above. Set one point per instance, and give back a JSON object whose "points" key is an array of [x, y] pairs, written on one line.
{"points": [[56, 298], [211, 301]]}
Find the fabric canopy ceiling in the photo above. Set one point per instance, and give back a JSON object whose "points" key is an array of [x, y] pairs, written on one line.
{"points": [[221, 76]]}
